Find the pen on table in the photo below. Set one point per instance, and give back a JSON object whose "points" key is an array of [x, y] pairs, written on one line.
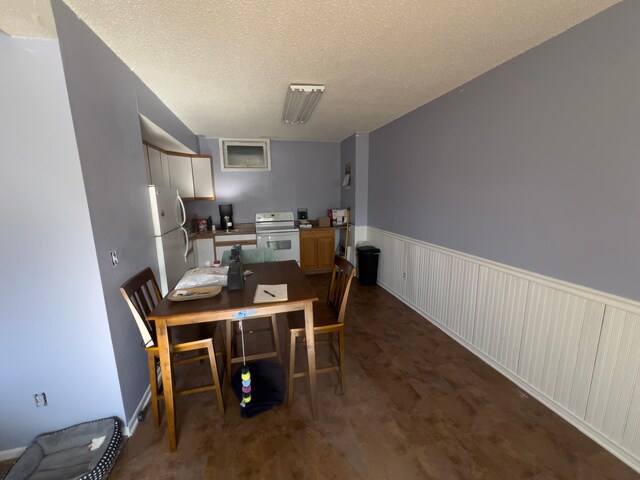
{"points": [[269, 293]]}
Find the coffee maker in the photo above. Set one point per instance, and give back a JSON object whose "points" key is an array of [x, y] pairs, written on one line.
{"points": [[226, 216]]}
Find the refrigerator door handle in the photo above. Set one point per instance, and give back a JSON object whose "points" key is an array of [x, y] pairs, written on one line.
{"points": [[184, 213], [186, 242]]}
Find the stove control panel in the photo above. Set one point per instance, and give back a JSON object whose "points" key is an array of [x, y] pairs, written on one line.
{"points": [[274, 217]]}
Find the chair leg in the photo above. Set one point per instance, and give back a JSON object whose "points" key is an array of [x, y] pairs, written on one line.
{"points": [[276, 337], [292, 366], [229, 350], [342, 369], [153, 380], [216, 376]]}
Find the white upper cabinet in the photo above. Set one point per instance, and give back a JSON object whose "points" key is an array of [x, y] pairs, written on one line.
{"points": [[202, 177], [155, 168], [181, 175], [164, 165], [191, 175], [145, 151]]}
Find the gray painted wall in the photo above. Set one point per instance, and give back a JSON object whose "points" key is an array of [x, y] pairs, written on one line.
{"points": [[534, 164], [354, 150], [361, 181], [103, 97], [303, 175], [54, 336], [348, 157]]}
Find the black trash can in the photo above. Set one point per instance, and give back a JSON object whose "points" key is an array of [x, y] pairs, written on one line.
{"points": [[368, 257]]}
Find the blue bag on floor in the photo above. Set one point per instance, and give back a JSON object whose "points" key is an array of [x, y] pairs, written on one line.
{"points": [[268, 387]]}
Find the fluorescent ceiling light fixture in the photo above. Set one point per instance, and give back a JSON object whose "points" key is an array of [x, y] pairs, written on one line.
{"points": [[300, 102]]}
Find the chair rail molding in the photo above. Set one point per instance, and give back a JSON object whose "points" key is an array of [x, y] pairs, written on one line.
{"points": [[569, 346]]}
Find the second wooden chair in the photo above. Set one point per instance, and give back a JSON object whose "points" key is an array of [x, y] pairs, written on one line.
{"points": [[327, 318]]}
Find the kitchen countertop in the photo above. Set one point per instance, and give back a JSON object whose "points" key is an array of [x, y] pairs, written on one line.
{"points": [[314, 226], [239, 229], [222, 238], [250, 229]]}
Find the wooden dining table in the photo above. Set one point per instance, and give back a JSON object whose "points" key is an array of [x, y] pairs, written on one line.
{"points": [[224, 306]]}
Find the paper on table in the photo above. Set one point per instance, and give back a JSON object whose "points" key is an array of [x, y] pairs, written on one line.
{"points": [[278, 293]]}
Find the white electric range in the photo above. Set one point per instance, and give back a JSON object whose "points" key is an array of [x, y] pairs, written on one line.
{"points": [[277, 230]]}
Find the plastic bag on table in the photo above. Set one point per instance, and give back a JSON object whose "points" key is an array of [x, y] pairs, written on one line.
{"points": [[203, 277]]}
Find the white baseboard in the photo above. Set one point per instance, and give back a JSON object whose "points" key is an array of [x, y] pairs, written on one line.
{"points": [[127, 431], [132, 424], [11, 454]]}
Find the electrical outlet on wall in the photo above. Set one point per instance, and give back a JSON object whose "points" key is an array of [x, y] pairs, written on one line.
{"points": [[41, 399], [114, 258]]}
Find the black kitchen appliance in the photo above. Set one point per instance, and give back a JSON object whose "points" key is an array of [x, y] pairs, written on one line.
{"points": [[235, 279], [302, 214], [226, 216]]}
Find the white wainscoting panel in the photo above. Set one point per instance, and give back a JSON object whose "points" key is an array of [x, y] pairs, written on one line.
{"points": [[461, 299], [575, 349], [631, 438], [356, 234], [559, 345], [615, 390], [417, 283], [391, 264], [499, 316], [437, 274]]}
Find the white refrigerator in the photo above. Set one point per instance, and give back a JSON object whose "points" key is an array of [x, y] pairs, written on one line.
{"points": [[175, 255]]}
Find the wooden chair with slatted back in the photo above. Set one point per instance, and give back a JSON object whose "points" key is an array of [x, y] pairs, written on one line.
{"points": [[328, 318], [141, 293]]}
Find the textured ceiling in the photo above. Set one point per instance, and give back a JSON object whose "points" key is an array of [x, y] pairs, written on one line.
{"points": [[27, 19], [224, 66]]}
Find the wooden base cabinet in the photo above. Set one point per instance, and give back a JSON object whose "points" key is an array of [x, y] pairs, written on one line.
{"points": [[317, 246]]}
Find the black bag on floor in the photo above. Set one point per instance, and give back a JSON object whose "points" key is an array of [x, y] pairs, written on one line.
{"points": [[268, 387]]}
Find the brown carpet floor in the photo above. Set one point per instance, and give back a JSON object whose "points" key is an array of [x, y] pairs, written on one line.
{"points": [[417, 406]]}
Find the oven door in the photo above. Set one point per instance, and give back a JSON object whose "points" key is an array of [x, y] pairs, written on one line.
{"points": [[285, 244]]}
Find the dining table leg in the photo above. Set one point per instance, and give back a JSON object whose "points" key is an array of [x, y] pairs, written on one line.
{"points": [[164, 353], [311, 356]]}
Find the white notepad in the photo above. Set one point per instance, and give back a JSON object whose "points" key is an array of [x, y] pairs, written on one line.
{"points": [[271, 293]]}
